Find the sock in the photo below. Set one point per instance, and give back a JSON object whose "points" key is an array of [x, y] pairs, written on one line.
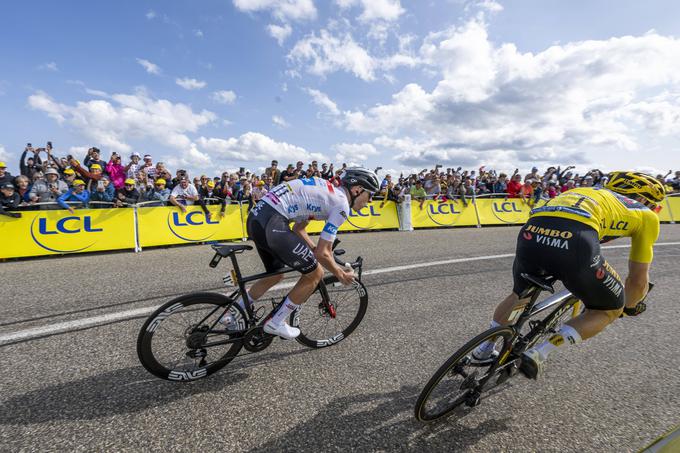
{"points": [[242, 301], [488, 345], [284, 312], [566, 334]]}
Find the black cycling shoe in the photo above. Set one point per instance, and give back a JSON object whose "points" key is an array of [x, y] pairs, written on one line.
{"points": [[484, 358], [531, 364]]}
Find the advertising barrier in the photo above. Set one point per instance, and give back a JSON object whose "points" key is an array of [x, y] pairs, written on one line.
{"points": [[372, 217], [442, 214], [671, 211], [165, 226], [503, 211], [39, 233]]}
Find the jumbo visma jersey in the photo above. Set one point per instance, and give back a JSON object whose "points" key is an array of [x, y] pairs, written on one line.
{"points": [[611, 215]]}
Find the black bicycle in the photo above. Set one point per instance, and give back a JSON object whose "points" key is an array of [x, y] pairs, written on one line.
{"points": [[184, 339], [463, 379]]}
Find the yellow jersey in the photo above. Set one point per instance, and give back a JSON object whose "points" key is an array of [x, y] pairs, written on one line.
{"points": [[610, 214]]}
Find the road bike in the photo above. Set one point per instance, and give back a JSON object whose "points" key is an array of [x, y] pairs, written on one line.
{"points": [[463, 379], [184, 340]]}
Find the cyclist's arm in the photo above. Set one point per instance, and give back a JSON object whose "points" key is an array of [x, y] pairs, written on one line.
{"points": [[299, 229], [637, 282], [324, 255]]}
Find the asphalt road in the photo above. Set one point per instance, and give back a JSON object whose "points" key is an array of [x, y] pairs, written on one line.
{"points": [[85, 390]]}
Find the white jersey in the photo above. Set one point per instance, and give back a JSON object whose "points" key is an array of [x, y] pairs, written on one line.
{"points": [[311, 199]]}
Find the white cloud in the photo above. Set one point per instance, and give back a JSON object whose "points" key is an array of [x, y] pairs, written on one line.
{"points": [[198, 33], [283, 10], [253, 146], [485, 5], [322, 100], [386, 10], [355, 152], [279, 32], [148, 66], [51, 66], [4, 155], [190, 84], [279, 121], [115, 122], [151, 14], [224, 96], [494, 103]]}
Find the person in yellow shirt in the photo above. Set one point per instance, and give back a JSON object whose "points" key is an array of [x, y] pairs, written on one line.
{"points": [[562, 239]]}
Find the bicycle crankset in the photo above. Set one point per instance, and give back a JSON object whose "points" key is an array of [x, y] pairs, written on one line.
{"points": [[255, 340]]}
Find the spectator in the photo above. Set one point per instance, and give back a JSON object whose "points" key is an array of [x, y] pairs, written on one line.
{"points": [[299, 172], [570, 184], [76, 193], [159, 192], [9, 199], [273, 171], [69, 176], [552, 189], [148, 168], [207, 195], [501, 185], [104, 192], [49, 190], [95, 172], [259, 191], [532, 175], [27, 167], [526, 192], [418, 193], [289, 174], [133, 167], [128, 194], [675, 182], [93, 157], [515, 185], [326, 171], [184, 194], [116, 171], [22, 187], [5, 176], [587, 181]]}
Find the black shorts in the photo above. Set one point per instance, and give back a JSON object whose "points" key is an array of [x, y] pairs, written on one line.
{"points": [[276, 243], [570, 251]]}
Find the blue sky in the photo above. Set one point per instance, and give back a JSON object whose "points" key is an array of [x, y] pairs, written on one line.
{"points": [[214, 85]]}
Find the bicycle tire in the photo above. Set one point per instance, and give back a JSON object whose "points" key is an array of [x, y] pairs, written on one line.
{"points": [[504, 332], [145, 350], [306, 336]]}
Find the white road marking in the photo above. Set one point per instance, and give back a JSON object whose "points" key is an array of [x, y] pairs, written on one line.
{"points": [[84, 323]]}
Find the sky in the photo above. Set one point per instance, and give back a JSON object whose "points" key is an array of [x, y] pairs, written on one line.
{"points": [[215, 85]]}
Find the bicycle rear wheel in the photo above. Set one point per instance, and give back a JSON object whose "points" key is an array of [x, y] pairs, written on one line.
{"points": [[324, 325], [457, 380], [177, 341]]}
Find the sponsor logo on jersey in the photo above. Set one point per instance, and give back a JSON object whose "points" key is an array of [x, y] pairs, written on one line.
{"points": [[552, 242], [550, 232], [304, 252], [313, 208], [330, 229], [293, 209]]}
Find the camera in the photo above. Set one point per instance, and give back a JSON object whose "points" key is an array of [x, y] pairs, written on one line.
{"points": [[28, 145], [438, 166], [49, 145]]}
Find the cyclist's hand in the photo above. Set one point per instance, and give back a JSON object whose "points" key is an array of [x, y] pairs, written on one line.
{"points": [[346, 277]]}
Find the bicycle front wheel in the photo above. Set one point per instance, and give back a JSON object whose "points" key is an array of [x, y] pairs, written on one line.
{"points": [[183, 340], [325, 323], [458, 378]]}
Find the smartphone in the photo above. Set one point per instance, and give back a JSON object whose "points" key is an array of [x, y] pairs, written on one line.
{"points": [[100, 184], [28, 145], [49, 145], [438, 166]]}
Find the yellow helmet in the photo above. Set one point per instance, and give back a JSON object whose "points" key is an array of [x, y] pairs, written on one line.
{"points": [[635, 183]]}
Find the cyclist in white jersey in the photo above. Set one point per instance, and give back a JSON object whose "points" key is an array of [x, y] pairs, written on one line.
{"points": [[300, 201]]}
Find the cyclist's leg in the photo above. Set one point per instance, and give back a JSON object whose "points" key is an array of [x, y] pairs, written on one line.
{"points": [[256, 227]]}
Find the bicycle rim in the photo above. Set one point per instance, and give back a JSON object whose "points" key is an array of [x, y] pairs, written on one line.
{"points": [[457, 380], [324, 325]]}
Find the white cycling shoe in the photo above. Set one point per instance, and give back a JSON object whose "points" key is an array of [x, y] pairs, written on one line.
{"points": [[230, 320], [282, 330], [532, 364]]}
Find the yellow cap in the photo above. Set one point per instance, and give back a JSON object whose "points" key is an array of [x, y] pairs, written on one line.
{"points": [[211, 183], [260, 183], [69, 171], [160, 181], [3, 165], [78, 182], [130, 181], [95, 167]]}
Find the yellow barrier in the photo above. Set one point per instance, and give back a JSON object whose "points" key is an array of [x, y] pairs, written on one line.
{"points": [[672, 210], [503, 211], [169, 225], [372, 217], [436, 214], [39, 233]]}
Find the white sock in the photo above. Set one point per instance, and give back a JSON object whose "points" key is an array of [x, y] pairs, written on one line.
{"points": [[284, 312], [242, 301], [566, 335], [488, 344]]}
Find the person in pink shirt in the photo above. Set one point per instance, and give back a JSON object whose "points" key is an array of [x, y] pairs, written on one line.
{"points": [[116, 171]]}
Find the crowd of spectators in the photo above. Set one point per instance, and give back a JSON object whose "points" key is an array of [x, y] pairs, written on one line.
{"points": [[50, 182]]}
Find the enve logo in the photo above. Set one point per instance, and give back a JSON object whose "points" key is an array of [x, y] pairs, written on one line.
{"points": [[65, 235], [508, 212], [362, 213], [193, 226], [444, 214]]}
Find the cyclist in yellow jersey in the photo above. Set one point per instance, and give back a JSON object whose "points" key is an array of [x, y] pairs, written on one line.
{"points": [[563, 239]]}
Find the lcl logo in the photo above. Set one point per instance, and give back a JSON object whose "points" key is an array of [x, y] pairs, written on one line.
{"points": [[506, 206], [193, 226], [65, 235], [368, 211], [444, 214], [508, 212]]}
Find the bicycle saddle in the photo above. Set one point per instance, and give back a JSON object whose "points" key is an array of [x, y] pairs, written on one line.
{"points": [[543, 282], [225, 250]]}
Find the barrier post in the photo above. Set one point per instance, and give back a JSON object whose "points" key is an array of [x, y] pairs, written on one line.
{"points": [[670, 211], [244, 233], [404, 213], [135, 222], [474, 202]]}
